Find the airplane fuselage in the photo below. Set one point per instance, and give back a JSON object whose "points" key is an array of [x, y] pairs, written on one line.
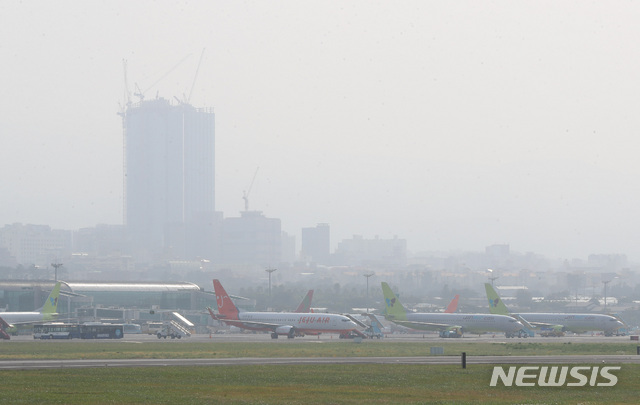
{"points": [[25, 317], [470, 323], [578, 323], [304, 323]]}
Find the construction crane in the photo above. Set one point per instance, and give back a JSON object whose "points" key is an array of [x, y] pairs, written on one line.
{"points": [[245, 194], [141, 93], [188, 99]]}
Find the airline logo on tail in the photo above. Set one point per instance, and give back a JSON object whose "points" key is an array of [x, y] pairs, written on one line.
{"points": [[226, 308], [494, 302], [51, 304], [393, 311], [220, 301], [496, 306]]}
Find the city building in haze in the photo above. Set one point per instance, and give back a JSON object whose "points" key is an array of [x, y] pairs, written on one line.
{"points": [[252, 238], [359, 251], [169, 177], [316, 244]]}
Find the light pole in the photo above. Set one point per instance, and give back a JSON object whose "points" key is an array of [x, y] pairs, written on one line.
{"points": [[270, 271], [367, 276], [492, 278], [605, 292], [55, 266]]}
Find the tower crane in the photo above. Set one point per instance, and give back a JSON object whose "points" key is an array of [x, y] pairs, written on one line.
{"points": [[245, 194]]}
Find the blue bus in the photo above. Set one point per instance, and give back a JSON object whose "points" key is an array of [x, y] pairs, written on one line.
{"points": [[55, 330]]}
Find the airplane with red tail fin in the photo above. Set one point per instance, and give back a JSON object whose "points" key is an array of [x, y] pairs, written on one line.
{"points": [[305, 304], [453, 305], [287, 324]]}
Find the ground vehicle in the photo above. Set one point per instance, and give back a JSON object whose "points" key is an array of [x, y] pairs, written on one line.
{"points": [[173, 330], [152, 328], [58, 330], [101, 331], [132, 328]]}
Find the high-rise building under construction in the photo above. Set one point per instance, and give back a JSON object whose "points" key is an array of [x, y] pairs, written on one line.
{"points": [[169, 179]]}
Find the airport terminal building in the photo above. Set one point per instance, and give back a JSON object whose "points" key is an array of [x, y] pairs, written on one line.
{"points": [[112, 301]]}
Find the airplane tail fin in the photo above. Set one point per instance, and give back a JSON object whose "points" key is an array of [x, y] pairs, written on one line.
{"points": [[496, 306], [51, 304], [305, 305], [226, 307], [393, 308], [453, 305]]}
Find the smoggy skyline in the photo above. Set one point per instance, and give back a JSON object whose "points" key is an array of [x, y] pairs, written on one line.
{"points": [[452, 125]]}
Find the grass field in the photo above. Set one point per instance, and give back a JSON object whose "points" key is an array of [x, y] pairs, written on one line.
{"points": [[297, 384], [317, 384]]}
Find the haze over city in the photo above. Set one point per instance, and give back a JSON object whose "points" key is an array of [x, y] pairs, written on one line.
{"points": [[451, 125]]}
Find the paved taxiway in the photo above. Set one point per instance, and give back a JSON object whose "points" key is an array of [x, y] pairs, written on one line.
{"points": [[435, 360]]}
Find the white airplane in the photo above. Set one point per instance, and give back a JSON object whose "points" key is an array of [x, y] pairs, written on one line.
{"points": [[48, 312], [449, 325], [555, 324], [279, 323]]}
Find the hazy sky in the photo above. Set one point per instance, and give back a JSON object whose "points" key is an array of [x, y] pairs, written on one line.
{"points": [[452, 124]]}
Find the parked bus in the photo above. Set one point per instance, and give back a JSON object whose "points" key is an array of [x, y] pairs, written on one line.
{"points": [[132, 328], [57, 330], [101, 331]]}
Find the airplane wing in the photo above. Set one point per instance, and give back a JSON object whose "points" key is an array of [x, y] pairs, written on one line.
{"points": [[216, 317], [545, 325], [4, 325], [426, 325]]}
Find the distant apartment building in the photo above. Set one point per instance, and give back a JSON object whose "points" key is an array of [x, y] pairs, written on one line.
{"points": [[288, 243], [251, 239], [608, 262], [35, 245], [101, 240], [381, 252], [170, 179], [316, 244]]}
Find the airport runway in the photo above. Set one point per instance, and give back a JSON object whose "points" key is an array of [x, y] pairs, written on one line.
{"points": [[434, 360]]}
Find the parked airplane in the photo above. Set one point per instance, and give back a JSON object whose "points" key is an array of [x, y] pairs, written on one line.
{"points": [[453, 305], [555, 324], [449, 325], [305, 304], [48, 312], [279, 323]]}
